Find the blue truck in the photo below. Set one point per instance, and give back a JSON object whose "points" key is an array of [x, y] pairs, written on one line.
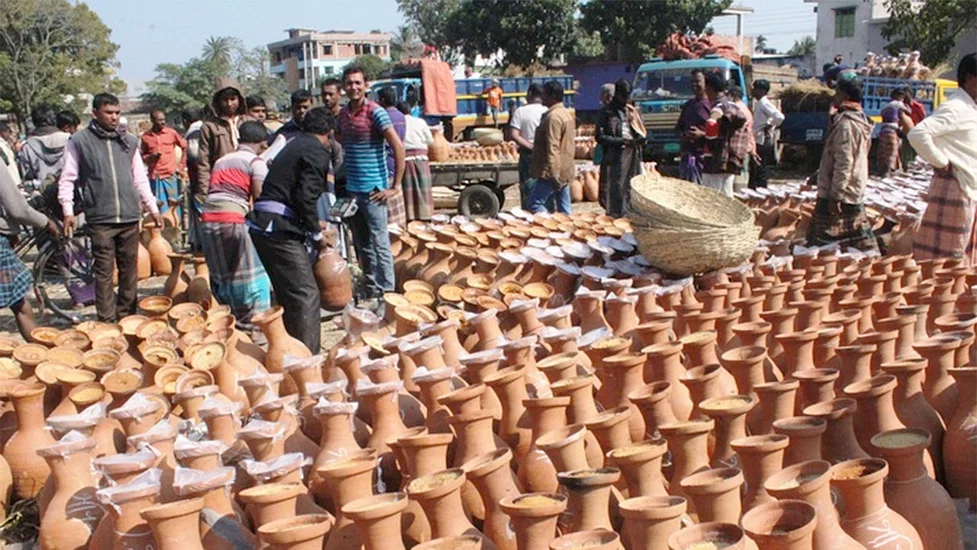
{"points": [[662, 87], [806, 123]]}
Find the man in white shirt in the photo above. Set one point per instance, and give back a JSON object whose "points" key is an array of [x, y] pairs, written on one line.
{"points": [[766, 119], [522, 128], [418, 193], [947, 139]]}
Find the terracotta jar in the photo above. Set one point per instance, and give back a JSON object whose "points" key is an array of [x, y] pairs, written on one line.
{"points": [[536, 471], [509, 387], [71, 512], [463, 542], [439, 494], [29, 470], [905, 325], [808, 315], [809, 482], [816, 385], [588, 498], [664, 364], [838, 443], [123, 527], [729, 414], [588, 306], [380, 402], [280, 344], [159, 250], [271, 502], [855, 363], [651, 333], [474, 436], [175, 524], [565, 448], [716, 494], [760, 457], [728, 536], [305, 532], [621, 375], [688, 443], [433, 385], [337, 440], [703, 384], [826, 348], [621, 314], [777, 401], [911, 406], [848, 320], [480, 367], [346, 480], [959, 452], [939, 388], [782, 525], [534, 518], [377, 519], [492, 476], [611, 428], [450, 342], [805, 438], [867, 515], [222, 522], [798, 351], [641, 467], [650, 520], [654, 403], [875, 412], [912, 493]]}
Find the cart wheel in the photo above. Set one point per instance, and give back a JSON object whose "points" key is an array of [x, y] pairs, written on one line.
{"points": [[478, 201], [500, 193]]}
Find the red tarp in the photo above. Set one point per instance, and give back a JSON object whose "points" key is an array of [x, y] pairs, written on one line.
{"points": [[439, 88]]}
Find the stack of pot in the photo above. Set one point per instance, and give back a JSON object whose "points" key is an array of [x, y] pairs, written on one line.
{"points": [[506, 400]]}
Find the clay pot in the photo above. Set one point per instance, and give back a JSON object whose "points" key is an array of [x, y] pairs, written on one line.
{"points": [[123, 526], [761, 456], [805, 438], [911, 406], [175, 525], [305, 532], [838, 443], [688, 442], [534, 518], [588, 498], [71, 512], [29, 470], [816, 385], [641, 466], [866, 515], [509, 387], [438, 150], [939, 388], [159, 251], [654, 403], [777, 401], [959, 452], [464, 542], [144, 265], [280, 344], [650, 521], [729, 414], [346, 480], [782, 525], [808, 481], [855, 363], [175, 286], [716, 494], [492, 477], [709, 535], [665, 364], [332, 275], [377, 519], [621, 375], [536, 471], [439, 494], [911, 492]]}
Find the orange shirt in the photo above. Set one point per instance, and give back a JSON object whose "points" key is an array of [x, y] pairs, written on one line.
{"points": [[163, 143], [494, 97]]}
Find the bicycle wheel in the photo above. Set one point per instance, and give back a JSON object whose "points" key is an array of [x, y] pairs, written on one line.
{"points": [[55, 277]]}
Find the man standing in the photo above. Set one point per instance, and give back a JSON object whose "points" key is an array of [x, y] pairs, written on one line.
{"points": [[256, 108], [158, 147], [330, 92], [947, 139], [284, 215], [68, 122], [695, 113], [522, 128], [493, 99], [552, 166], [766, 119], [219, 134], [105, 165], [300, 104], [193, 124], [387, 98], [729, 144], [364, 127], [43, 152]]}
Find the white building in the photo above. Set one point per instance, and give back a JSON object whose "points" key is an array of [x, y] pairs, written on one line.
{"points": [[308, 56]]}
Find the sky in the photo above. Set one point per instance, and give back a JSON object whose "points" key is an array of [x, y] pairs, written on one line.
{"points": [[152, 32]]}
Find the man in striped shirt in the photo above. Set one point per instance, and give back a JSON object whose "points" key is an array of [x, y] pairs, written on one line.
{"points": [[363, 128]]}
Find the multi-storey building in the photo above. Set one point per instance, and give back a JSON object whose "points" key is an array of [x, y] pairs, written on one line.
{"points": [[309, 56]]}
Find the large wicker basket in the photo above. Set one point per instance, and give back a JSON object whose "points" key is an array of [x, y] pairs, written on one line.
{"points": [[684, 252], [668, 202]]}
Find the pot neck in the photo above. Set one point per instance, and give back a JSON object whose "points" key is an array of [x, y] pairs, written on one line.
{"points": [[30, 412], [337, 430], [173, 533], [863, 499], [348, 488], [905, 466], [72, 472], [588, 508], [546, 419]]}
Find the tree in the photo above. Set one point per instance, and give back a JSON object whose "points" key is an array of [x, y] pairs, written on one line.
{"points": [[930, 27], [430, 19], [586, 45], [373, 67], [405, 44], [219, 50], [631, 30], [804, 46], [53, 51], [522, 31], [760, 44], [252, 68]]}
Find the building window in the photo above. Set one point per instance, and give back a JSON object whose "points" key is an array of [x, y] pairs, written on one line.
{"points": [[329, 70], [327, 49], [357, 49], [844, 22]]}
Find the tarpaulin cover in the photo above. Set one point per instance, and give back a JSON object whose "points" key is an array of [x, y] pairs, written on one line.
{"points": [[439, 88]]}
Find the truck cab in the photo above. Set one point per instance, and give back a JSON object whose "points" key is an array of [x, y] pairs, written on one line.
{"points": [[660, 90]]}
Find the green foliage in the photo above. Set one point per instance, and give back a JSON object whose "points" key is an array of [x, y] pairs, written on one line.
{"points": [[760, 44], [804, 46], [405, 44], [373, 66], [54, 51], [932, 27], [191, 85], [586, 45], [430, 19], [525, 31], [632, 29]]}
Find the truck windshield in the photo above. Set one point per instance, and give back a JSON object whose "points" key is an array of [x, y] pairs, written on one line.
{"points": [[375, 89], [663, 84]]}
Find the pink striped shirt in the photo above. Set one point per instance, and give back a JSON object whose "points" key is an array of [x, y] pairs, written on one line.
{"points": [[233, 177]]}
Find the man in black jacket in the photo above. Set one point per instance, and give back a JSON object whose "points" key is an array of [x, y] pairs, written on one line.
{"points": [[285, 216]]}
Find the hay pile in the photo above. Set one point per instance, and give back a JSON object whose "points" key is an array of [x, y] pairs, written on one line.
{"points": [[807, 96]]}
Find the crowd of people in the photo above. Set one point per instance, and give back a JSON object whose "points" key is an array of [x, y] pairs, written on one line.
{"points": [[263, 201]]}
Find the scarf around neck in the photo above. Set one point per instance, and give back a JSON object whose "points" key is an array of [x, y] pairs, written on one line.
{"points": [[117, 134]]}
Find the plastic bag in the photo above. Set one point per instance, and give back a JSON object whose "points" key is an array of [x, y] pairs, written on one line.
{"points": [[187, 481], [87, 418], [117, 494], [136, 406], [264, 472], [187, 448]]}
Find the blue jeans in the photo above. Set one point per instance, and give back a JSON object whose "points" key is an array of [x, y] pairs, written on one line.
{"points": [[165, 189], [372, 243], [543, 191]]}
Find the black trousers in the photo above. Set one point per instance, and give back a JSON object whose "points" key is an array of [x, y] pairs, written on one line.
{"points": [[290, 270], [115, 243], [759, 171]]}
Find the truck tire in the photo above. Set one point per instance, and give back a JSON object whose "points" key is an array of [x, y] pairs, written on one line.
{"points": [[478, 201]]}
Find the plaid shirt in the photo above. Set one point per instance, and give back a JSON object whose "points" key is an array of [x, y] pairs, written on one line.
{"points": [[728, 152]]}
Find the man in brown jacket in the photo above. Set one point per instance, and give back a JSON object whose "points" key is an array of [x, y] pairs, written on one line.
{"points": [[553, 148], [839, 216]]}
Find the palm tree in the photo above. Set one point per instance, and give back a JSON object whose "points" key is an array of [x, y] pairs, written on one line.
{"points": [[405, 43], [218, 50], [804, 46], [760, 44]]}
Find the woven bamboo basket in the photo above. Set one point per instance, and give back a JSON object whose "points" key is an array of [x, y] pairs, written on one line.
{"points": [[685, 252], [668, 202]]}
